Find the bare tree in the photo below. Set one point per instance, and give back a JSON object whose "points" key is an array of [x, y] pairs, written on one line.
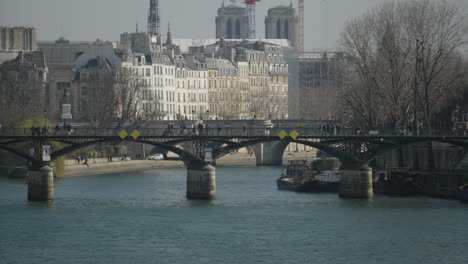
{"points": [[98, 107], [438, 30], [21, 94], [403, 62], [128, 100]]}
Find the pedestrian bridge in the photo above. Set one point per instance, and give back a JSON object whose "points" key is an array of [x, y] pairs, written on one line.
{"points": [[200, 147]]}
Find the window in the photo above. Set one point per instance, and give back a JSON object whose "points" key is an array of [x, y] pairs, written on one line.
{"points": [[84, 91]]}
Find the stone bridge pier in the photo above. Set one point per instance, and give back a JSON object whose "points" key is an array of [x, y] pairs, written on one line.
{"points": [[41, 184], [201, 182], [270, 153], [356, 183]]}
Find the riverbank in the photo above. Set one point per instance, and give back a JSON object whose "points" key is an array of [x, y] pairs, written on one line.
{"points": [[103, 167]]}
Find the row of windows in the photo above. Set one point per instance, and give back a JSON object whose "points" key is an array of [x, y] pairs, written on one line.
{"points": [[151, 95], [228, 84], [278, 89], [259, 69]]}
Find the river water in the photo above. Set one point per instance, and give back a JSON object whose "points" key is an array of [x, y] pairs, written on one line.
{"points": [[143, 217]]}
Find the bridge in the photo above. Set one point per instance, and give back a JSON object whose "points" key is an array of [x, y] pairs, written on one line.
{"points": [[199, 148]]}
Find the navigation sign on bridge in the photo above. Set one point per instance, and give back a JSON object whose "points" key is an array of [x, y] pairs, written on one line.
{"points": [[294, 134], [282, 134], [123, 134], [135, 134]]}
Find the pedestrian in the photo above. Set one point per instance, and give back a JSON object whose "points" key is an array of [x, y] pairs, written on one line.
{"points": [[244, 128], [218, 128], [200, 128], [86, 160], [57, 129], [207, 129], [69, 129]]}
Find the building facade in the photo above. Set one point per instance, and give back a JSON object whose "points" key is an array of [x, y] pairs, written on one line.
{"points": [[278, 85]]}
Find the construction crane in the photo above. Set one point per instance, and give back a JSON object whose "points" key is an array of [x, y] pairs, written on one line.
{"points": [[251, 17], [300, 41]]}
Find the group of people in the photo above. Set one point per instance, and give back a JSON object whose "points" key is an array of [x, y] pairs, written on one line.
{"points": [[82, 160], [330, 129], [38, 131], [67, 129], [199, 129]]}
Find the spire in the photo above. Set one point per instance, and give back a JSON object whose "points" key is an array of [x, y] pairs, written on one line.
{"points": [[169, 35], [154, 18]]}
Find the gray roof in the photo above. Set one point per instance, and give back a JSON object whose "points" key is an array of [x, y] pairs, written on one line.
{"points": [[7, 56], [184, 44], [62, 54], [224, 67]]}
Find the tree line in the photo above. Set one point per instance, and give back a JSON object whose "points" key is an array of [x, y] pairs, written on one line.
{"points": [[405, 65]]}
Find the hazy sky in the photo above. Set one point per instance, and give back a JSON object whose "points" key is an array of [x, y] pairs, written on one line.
{"points": [[106, 19]]}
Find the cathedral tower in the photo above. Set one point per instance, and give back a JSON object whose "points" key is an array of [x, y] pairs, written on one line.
{"points": [[282, 23], [231, 22]]}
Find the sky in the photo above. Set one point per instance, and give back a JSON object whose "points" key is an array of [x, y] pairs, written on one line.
{"points": [[88, 20]]}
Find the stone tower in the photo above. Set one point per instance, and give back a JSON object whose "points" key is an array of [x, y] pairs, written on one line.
{"points": [[282, 23], [231, 22], [154, 19]]}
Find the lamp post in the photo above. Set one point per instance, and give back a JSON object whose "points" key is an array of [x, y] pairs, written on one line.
{"points": [[419, 48]]}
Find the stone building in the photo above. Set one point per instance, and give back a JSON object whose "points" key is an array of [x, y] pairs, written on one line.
{"points": [[74, 71], [282, 23], [259, 75], [174, 85], [231, 22], [225, 93], [278, 85]]}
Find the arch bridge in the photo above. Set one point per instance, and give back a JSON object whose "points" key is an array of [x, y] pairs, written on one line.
{"points": [[199, 148]]}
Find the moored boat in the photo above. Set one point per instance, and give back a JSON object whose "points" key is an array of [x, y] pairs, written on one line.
{"points": [[299, 177], [463, 193], [396, 181]]}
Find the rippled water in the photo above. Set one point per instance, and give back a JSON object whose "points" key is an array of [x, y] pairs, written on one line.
{"points": [[143, 217]]}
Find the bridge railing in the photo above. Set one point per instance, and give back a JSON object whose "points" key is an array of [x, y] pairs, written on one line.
{"points": [[210, 131]]}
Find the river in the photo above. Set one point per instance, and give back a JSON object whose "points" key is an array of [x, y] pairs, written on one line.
{"points": [[143, 217]]}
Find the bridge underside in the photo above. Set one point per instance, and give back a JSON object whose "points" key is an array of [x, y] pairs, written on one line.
{"points": [[353, 152]]}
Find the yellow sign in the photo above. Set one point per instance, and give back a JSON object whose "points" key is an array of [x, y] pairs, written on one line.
{"points": [[123, 134], [300, 125], [282, 134], [294, 135], [135, 134]]}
